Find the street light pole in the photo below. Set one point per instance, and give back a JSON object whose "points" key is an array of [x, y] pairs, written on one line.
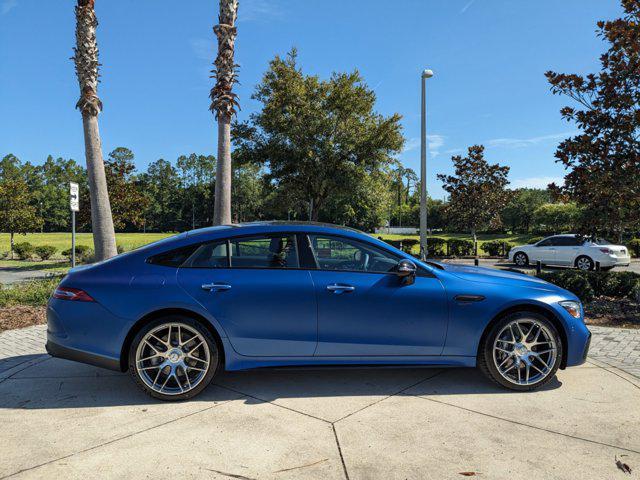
{"points": [[423, 169]]}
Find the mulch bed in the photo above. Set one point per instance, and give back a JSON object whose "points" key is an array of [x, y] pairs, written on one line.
{"points": [[610, 312], [21, 316]]}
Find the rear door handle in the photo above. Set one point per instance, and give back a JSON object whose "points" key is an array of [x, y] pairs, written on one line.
{"points": [[335, 288], [216, 287]]}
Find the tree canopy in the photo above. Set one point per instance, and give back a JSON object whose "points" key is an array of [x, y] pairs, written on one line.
{"points": [[604, 160], [319, 139]]}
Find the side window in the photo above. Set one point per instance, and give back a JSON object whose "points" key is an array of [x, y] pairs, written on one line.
{"points": [[174, 258], [547, 242], [567, 242], [336, 253], [209, 255], [270, 251]]}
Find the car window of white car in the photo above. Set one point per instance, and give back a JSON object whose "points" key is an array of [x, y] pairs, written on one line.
{"points": [[567, 242]]}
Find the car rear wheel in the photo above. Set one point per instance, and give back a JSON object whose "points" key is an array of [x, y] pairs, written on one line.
{"points": [[522, 351], [584, 263], [173, 358], [521, 259]]}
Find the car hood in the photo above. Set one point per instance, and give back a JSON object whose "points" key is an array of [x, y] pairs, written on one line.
{"points": [[499, 277]]}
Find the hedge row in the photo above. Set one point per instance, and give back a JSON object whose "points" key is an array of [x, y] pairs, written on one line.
{"points": [[456, 247], [588, 285]]}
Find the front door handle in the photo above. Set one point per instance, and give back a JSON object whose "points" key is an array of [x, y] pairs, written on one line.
{"points": [[216, 287], [335, 288]]}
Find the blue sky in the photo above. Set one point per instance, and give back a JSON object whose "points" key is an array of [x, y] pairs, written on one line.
{"points": [[489, 59]]}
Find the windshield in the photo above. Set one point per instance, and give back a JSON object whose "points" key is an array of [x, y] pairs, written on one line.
{"points": [[599, 241]]}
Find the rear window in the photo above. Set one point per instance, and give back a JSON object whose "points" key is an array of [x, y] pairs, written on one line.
{"points": [[173, 258]]}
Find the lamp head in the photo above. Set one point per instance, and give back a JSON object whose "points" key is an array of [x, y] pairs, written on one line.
{"points": [[427, 74]]}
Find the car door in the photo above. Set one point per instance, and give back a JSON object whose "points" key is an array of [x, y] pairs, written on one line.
{"points": [[255, 289], [567, 250], [544, 251], [365, 309]]}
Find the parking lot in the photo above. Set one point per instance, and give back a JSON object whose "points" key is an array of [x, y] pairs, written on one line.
{"points": [[66, 420]]}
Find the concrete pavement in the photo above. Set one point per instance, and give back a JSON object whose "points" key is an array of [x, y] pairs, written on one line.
{"points": [[65, 420]]}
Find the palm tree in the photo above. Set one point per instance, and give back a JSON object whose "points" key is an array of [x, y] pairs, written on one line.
{"points": [[223, 106], [86, 61]]}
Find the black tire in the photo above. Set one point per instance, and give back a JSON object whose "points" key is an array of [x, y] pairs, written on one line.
{"points": [[211, 370], [584, 263], [485, 360], [522, 258]]}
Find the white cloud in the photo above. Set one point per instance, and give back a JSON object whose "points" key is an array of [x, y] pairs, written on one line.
{"points": [[434, 143], [204, 49], [466, 7], [7, 6], [536, 182], [526, 142], [254, 10]]}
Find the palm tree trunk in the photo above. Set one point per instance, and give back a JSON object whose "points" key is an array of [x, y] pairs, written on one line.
{"points": [[104, 237], [222, 205], [223, 105], [86, 62]]}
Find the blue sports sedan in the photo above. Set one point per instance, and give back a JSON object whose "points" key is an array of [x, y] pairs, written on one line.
{"points": [[178, 311]]}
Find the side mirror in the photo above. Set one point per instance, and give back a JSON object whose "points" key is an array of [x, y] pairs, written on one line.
{"points": [[407, 271]]}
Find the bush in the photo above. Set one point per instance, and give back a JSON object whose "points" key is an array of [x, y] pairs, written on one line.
{"points": [[459, 247], [408, 244], [437, 246], [35, 293], [635, 292], [120, 249], [45, 252], [574, 281], [634, 247], [83, 253], [496, 248], [533, 240], [24, 250]]}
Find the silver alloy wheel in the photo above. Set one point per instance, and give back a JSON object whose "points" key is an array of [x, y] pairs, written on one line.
{"points": [[524, 352], [173, 358], [520, 259], [584, 263]]}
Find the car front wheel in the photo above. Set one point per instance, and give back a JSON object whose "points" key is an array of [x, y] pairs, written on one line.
{"points": [[173, 358], [521, 259], [522, 351]]}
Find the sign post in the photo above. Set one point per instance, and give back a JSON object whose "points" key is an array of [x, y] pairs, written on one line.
{"points": [[74, 204]]}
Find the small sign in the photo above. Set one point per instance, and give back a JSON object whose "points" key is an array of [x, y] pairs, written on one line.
{"points": [[74, 197]]}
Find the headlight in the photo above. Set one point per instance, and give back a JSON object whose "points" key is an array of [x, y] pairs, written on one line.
{"points": [[574, 308]]}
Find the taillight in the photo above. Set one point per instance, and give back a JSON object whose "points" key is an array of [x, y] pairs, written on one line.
{"points": [[608, 251], [68, 293]]}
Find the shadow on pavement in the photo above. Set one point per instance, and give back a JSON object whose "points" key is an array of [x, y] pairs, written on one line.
{"points": [[55, 383]]}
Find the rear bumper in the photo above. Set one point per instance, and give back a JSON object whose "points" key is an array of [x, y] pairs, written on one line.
{"points": [[60, 351]]}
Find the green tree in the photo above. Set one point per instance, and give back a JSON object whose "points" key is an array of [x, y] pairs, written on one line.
{"points": [[128, 201], [553, 218], [477, 192], [604, 160], [16, 213], [162, 188], [316, 137], [247, 192], [197, 176], [518, 213]]}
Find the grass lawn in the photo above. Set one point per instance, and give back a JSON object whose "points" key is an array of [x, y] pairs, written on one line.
{"points": [[62, 241]]}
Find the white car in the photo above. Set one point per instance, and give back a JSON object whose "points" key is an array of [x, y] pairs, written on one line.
{"points": [[571, 251]]}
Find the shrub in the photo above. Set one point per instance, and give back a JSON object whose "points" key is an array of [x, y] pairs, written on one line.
{"points": [[574, 281], [120, 249], [83, 253], [24, 250], [437, 246], [460, 247], [496, 248], [634, 247], [35, 293], [45, 252], [408, 244], [613, 284], [635, 292], [533, 240]]}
